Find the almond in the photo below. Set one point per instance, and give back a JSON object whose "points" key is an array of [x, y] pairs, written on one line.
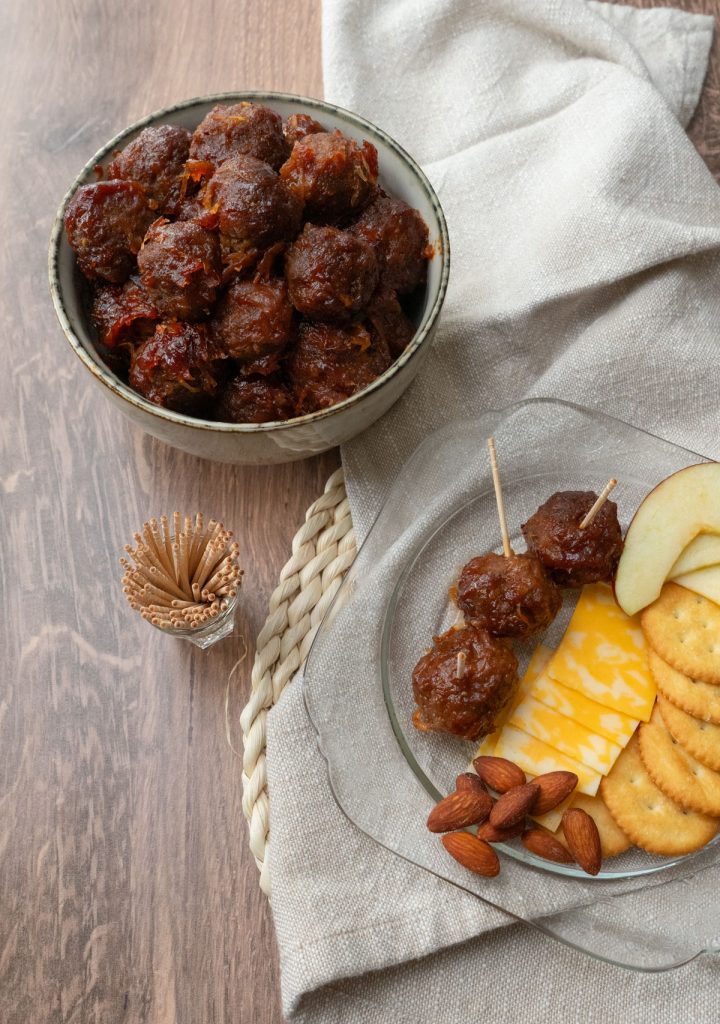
{"points": [[473, 853], [554, 788], [545, 845], [583, 839], [467, 807], [491, 834], [513, 805], [470, 781], [499, 773]]}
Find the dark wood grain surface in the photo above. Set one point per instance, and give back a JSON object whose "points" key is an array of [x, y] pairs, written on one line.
{"points": [[127, 892]]}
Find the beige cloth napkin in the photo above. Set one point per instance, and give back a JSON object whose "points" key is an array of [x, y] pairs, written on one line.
{"points": [[585, 235]]}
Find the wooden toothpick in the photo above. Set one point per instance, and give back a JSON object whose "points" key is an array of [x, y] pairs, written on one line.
{"points": [[507, 549], [460, 665], [598, 504]]}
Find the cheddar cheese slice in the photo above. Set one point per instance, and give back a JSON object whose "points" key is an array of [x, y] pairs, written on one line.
{"points": [[536, 758], [603, 656], [613, 725], [566, 735], [541, 656]]}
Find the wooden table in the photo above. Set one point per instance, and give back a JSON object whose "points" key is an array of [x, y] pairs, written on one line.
{"points": [[127, 891]]}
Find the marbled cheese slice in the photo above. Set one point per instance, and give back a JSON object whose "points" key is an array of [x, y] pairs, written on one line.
{"points": [[603, 655], [565, 735], [536, 758], [541, 656], [613, 725]]}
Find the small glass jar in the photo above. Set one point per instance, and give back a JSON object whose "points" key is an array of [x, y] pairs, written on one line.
{"points": [[208, 633]]}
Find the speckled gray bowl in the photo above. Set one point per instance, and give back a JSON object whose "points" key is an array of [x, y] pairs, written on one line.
{"points": [[302, 436]]}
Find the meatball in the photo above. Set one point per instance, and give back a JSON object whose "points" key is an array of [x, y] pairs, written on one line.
{"points": [[508, 596], [463, 697], [330, 273], [105, 224], [156, 159], [180, 268], [254, 401], [399, 235], [123, 313], [332, 362], [298, 126], [253, 319], [571, 556], [241, 128], [331, 175], [387, 321], [254, 208], [179, 367]]}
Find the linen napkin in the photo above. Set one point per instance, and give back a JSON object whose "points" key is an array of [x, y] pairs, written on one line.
{"points": [[585, 236]]}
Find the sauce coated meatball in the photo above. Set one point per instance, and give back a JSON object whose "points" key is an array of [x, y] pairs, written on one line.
{"points": [[332, 362], [387, 321], [466, 702], [254, 208], [180, 268], [254, 401], [331, 175], [179, 367], [156, 159], [508, 596], [571, 556], [400, 237], [123, 314], [241, 128], [105, 224], [298, 126], [330, 273], [254, 319]]}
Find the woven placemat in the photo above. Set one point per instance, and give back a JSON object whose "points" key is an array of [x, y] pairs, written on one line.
{"points": [[322, 551]]}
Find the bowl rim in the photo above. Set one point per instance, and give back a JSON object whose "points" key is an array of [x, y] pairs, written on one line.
{"points": [[107, 378]]}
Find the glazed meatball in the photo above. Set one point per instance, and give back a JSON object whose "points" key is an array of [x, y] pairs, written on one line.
{"points": [[179, 368], [387, 321], [330, 273], [253, 319], [123, 313], [332, 362], [571, 556], [331, 175], [105, 224], [254, 208], [180, 268], [241, 128], [508, 596], [463, 698], [156, 159], [298, 126], [254, 401], [399, 235]]}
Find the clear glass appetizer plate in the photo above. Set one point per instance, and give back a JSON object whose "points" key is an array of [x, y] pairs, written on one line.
{"points": [[642, 912]]}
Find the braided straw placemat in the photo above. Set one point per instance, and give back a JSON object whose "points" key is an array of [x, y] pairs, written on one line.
{"points": [[322, 551]]}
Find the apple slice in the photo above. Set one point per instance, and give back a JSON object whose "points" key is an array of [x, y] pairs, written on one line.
{"points": [[703, 581], [674, 513], [704, 550]]}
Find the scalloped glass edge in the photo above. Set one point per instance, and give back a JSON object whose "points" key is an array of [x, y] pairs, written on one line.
{"points": [[569, 927]]}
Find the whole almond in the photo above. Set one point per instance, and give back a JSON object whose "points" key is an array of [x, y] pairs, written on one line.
{"points": [[467, 807], [470, 781], [541, 843], [513, 805], [491, 834], [473, 853], [583, 839], [554, 788], [498, 773]]}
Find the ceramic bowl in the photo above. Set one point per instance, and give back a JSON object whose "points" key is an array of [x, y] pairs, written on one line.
{"points": [[302, 436]]}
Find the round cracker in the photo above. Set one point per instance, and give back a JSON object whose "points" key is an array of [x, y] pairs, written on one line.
{"points": [[612, 838], [701, 700], [684, 629], [648, 817], [676, 772], [700, 739]]}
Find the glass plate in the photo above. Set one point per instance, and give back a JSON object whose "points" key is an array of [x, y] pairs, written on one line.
{"points": [[643, 912]]}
